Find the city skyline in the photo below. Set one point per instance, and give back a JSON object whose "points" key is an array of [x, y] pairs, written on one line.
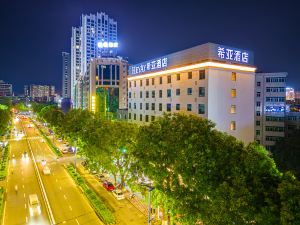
{"points": [[275, 50]]}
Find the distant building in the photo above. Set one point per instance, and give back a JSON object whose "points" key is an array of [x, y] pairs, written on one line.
{"points": [[105, 86], [5, 89], [292, 122], [66, 75], [212, 81], [297, 97], [270, 107], [42, 93], [95, 38], [290, 95], [26, 91]]}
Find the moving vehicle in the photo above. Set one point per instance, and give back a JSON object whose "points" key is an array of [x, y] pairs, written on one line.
{"points": [[64, 151], [34, 205], [25, 155], [100, 177], [118, 194], [43, 162], [108, 185], [46, 170]]}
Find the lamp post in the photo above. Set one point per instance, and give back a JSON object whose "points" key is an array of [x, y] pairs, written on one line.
{"points": [[149, 204], [75, 149]]}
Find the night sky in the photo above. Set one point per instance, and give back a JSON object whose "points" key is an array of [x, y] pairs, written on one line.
{"points": [[35, 32]]}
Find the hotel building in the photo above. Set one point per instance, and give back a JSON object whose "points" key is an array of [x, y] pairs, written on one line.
{"points": [[210, 80], [270, 108]]}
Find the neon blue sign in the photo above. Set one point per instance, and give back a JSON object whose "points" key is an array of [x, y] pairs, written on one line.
{"points": [[152, 65]]}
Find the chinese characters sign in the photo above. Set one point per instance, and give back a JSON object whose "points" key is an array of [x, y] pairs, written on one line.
{"points": [[232, 54], [149, 66]]}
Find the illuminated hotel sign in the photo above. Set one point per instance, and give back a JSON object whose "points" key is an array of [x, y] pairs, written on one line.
{"points": [[152, 65], [232, 54]]}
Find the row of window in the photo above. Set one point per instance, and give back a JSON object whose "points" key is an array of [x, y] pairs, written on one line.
{"points": [[201, 107], [275, 128], [275, 99], [275, 89], [273, 138], [189, 91], [169, 79], [275, 79], [292, 118], [275, 118]]}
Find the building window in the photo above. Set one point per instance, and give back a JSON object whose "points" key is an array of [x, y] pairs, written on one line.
{"points": [[147, 94], [178, 92], [178, 76], [190, 75], [153, 81], [160, 106], [134, 83], [257, 113], [258, 94], [257, 123], [153, 94], [134, 116], [141, 117], [189, 91], [233, 109], [152, 118], [177, 106], [129, 105], [129, 82], [141, 94], [232, 125], [257, 132], [152, 106], [258, 84], [147, 118], [147, 106], [129, 94], [141, 106], [160, 80], [201, 74], [134, 105], [201, 91], [141, 83], [169, 79], [168, 107], [189, 107], [258, 104], [147, 82], [201, 109], [169, 93], [233, 76], [233, 93], [129, 116]]}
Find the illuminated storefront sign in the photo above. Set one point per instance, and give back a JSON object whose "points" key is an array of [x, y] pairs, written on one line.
{"points": [[152, 65], [232, 54]]}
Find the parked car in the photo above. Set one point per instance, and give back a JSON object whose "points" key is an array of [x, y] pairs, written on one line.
{"points": [[118, 194], [108, 185], [100, 177]]}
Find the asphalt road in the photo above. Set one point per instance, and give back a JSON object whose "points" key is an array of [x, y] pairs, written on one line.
{"points": [[21, 173], [69, 205]]}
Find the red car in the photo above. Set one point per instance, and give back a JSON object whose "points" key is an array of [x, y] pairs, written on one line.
{"points": [[108, 186]]}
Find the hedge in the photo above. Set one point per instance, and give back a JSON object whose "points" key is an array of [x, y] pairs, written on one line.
{"points": [[100, 208], [4, 163]]}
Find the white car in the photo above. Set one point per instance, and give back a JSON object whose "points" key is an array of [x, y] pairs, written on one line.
{"points": [[118, 194], [43, 162], [46, 170], [34, 205]]}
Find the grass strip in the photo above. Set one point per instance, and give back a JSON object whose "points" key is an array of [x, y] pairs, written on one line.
{"points": [[4, 163], [100, 208], [1, 202]]}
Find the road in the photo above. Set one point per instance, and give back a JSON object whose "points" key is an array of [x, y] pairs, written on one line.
{"points": [[67, 203], [21, 173]]}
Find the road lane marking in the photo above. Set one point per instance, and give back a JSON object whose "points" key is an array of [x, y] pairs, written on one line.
{"points": [[56, 180], [24, 195], [77, 221], [59, 187], [23, 186], [70, 207], [64, 221], [4, 210], [26, 219], [65, 196], [25, 206]]}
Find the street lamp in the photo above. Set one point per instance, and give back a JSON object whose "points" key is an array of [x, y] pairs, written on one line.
{"points": [[149, 204], [75, 150]]}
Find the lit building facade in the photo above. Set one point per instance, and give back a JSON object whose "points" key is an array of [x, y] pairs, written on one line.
{"points": [[105, 86], [42, 93], [290, 95], [270, 108], [5, 89], [66, 75], [292, 122], [210, 80], [95, 38]]}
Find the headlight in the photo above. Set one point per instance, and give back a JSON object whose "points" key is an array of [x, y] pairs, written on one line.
{"points": [[31, 211]]}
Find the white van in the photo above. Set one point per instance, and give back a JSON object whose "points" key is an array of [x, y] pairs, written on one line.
{"points": [[34, 205]]}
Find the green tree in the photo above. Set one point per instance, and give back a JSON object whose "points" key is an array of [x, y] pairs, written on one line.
{"points": [[207, 175], [287, 153]]}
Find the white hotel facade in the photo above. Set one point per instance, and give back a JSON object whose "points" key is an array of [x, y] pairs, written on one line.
{"points": [[210, 80]]}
